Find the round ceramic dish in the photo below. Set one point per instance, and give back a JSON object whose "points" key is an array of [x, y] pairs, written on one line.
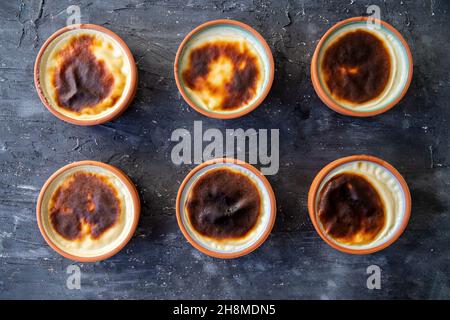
{"points": [[401, 70], [380, 173], [129, 220], [260, 232], [129, 90], [248, 33]]}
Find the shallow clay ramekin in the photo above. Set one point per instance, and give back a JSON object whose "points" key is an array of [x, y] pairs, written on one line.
{"points": [[117, 109], [180, 209], [315, 188], [269, 61], [319, 87], [135, 215]]}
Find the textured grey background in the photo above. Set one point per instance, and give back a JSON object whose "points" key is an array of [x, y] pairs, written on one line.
{"points": [[294, 262]]}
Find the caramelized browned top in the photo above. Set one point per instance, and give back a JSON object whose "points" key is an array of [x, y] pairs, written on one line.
{"points": [[356, 67], [223, 204], [81, 80], [350, 209], [86, 205], [226, 69]]}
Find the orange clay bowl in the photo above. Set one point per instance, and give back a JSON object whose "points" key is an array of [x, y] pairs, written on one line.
{"points": [[261, 238], [126, 182], [321, 91], [119, 109], [312, 195], [269, 61]]}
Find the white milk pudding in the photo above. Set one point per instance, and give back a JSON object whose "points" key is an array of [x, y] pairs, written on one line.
{"points": [[225, 208], [84, 74], [224, 68], [87, 211], [360, 205], [362, 68]]}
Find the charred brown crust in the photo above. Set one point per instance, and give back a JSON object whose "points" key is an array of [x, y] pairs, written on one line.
{"points": [[350, 208], [242, 85], [81, 80], [356, 67], [223, 204], [86, 200]]}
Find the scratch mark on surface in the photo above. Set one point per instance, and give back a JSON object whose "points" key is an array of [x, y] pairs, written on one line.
{"points": [[27, 22], [431, 157], [77, 146], [5, 235], [19, 14], [27, 187], [288, 16]]}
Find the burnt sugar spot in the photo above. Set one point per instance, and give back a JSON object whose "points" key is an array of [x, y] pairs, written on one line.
{"points": [[223, 204], [85, 205], [226, 70], [81, 80], [356, 67], [350, 209]]}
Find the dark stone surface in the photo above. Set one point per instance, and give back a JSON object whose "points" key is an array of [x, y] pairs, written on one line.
{"points": [[158, 262]]}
